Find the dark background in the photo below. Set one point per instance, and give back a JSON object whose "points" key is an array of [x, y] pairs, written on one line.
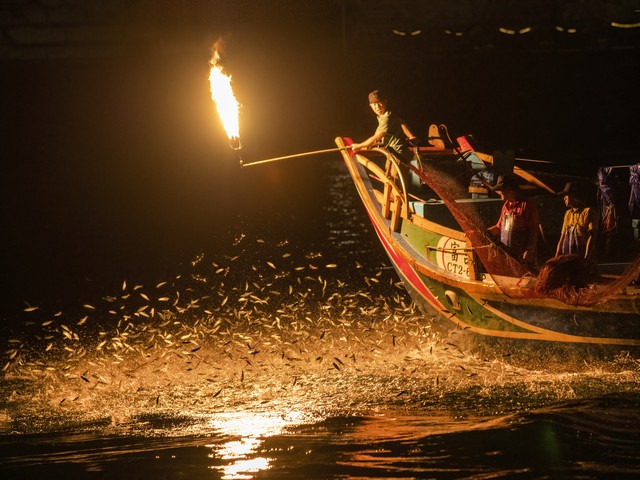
{"points": [[115, 165]]}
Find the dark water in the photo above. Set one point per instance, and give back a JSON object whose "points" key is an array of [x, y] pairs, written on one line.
{"points": [[568, 440], [169, 315]]}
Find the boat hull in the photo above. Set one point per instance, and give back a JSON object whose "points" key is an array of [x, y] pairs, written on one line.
{"points": [[438, 279]]}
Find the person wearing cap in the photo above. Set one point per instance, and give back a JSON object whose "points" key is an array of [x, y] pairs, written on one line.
{"points": [[392, 133], [519, 221], [579, 227]]}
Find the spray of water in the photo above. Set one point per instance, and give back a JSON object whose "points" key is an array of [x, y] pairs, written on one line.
{"points": [[289, 335]]}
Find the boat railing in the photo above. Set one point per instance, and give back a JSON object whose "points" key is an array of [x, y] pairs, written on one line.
{"points": [[394, 188], [394, 198]]}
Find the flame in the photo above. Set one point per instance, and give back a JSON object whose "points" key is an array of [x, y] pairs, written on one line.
{"points": [[226, 103]]}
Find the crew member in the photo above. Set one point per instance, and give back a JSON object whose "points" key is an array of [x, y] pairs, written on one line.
{"points": [[392, 133], [579, 227], [519, 221]]}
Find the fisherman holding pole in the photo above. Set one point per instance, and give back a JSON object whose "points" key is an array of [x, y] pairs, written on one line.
{"points": [[392, 132]]}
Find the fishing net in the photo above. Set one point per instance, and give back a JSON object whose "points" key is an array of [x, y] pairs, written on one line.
{"points": [[494, 256]]}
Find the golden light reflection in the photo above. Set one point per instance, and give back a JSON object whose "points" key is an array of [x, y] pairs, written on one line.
{"points": [[226, 103], [510, 31], [242, 469], [248, 431], [625, 25], [565, 29]]}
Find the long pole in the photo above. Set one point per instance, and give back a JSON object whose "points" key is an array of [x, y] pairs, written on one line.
{"points": [[295, 155], [337, 149], [533, 160]]}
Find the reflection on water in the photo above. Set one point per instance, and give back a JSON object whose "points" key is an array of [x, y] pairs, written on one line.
{"points": [[245, 468], [248, 430], [239, 453], [596, 438]]}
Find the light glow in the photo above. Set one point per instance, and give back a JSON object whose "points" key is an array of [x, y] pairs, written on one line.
{"points": [[625, 25], [566, 30], [243, 469], [226, 103], [246, 432], [509, 31]]}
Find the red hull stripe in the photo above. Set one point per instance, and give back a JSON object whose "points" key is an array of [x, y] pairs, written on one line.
{"points": [[406, 269]]}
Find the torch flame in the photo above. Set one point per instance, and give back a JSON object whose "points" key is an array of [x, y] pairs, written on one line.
{"points": [[226, 103]]}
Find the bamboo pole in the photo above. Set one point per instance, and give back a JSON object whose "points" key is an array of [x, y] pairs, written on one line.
{"points": [[533, 160], [295, 155], [327, 150]]}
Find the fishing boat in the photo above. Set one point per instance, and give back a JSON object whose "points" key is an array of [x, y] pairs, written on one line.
{"points": [[431, 218]]}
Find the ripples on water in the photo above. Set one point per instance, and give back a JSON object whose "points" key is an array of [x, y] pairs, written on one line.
{"points": [[270, 362]]}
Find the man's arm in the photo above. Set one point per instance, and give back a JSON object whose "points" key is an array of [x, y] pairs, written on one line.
{"points": [[563, 231], [372, 140], [407, 131]]}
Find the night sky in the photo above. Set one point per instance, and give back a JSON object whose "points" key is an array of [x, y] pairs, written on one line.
{"points": [[115, 163]]}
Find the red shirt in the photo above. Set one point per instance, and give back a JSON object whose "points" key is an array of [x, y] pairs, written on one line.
{"points": [[517, 222]]}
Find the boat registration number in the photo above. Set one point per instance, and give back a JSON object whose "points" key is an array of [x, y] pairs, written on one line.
{"points": [[452, 256]]}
